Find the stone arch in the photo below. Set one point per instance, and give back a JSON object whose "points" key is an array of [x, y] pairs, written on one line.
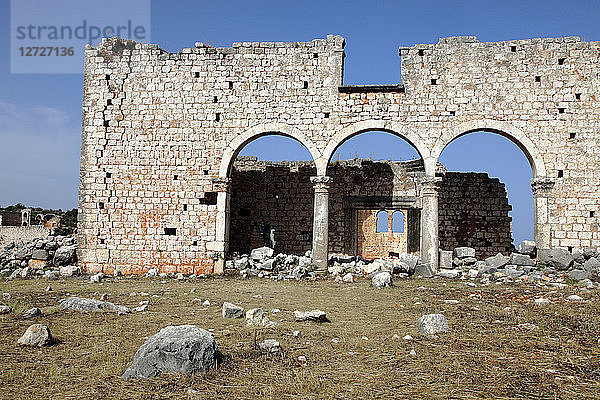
{"points": [[515, 134], [238, 143], [372, 125]]}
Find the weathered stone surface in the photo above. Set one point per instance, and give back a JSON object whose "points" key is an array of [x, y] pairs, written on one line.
{"points": [[314, 315], [36, 335], [261, 254], [257, 317], [381, 279], [5, 309], [65, 255], [592, 264], [560, 259], [175, 349], [37, 264], [93, 305], [521, 260], [97, 278], [432, 323], [578, 274], [590, 252], [405, 263], [424, 271], [496, 262], [348, 278], [39, 254], [445, 259], [528, 247], [32, 312], [230, 310], [449, 273], [464, 252], [69, 270]]}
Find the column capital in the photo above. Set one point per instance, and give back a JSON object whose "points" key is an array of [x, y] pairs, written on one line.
{"points": [[430, 185], [321, 182], [541, 186], [221, 184]]}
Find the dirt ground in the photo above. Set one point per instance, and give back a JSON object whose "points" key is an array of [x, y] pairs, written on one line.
{"points": [[487, 354]]}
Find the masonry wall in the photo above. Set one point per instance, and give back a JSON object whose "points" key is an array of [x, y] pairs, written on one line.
{"points": [[474, 209], [157, 126], [24, 233]]}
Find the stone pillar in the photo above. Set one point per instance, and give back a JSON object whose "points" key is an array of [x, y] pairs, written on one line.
{"points": [[541, 188], [429, 222], [320, 244], [221, 244]]}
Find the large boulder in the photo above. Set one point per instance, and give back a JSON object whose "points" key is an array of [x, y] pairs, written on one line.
{"points": [[93, 305], [592, 264], [521, 260], [590, 252], [261, 254], [65, 255], [180, 349], [69, 270], [424, 271], [559, 259], [37, 335], [578, 274], [432, 323], [230, 310], [405, 263], [381, 279]]}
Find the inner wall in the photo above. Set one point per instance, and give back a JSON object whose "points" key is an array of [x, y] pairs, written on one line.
{"points": [[278, 196]]}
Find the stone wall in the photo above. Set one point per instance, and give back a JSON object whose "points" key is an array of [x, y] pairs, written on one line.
{"points": [[473, 208], [24, 233], [474, 212], [160, 131]]}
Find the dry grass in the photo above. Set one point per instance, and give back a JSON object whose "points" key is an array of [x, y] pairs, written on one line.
{"points": [[486, 356]]}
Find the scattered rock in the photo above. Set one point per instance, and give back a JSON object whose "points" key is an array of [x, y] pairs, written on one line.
{"points": [[206, 303], [348, 278], [230, 310], [5, 309], [424, 271], [96, 278], [578, 274], [32, 312], [257, 317], [84, 304], [574, 297], [65, 255], [261, 254], [449, 273], [560, 259], [314, 315], [69, 270], [464, 252], [141, 308], [36, 335], [432, 323], [528, 248], [521, 260], [179, 349], [445, 261], [542, 302], [381, 279], [497, 262], [270, 346]]}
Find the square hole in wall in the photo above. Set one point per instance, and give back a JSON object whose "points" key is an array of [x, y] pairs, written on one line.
{"points": [[210, 198], [570, 248], [561, 61], [434, 81], [561, 110], [452, 113], [315, 55], [102, 241], [175, 177], [513, 49], [185, 207], [230, 83], [170, 231], [217, 117], [205, 172], [326, 115], [195, 243], [108, 175], [215, 100], [107, 77], [560, 173], [421, 52], [109, 102], [538, 78], [106, 123], [592, 213], [101, 205], [305, 85], [196, 74], [572, 135], [577, 96]]}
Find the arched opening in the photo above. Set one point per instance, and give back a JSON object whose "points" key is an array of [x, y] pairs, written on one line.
{"points": [[398, 222], [383, 222], [485, 198], [270, 195], [375, 172]]}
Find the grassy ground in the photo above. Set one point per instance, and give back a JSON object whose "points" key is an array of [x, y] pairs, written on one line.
{"points": [[485, 356]]}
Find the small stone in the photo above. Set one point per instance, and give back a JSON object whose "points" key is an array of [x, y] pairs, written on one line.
{"points": [[432, 323], [407, 337], [48, 289], [296, 334], [270, 346], [206, 303], [83, 304], [5, 309], [302, 359], [574, 297], [348, 278], [449, 273], [37, 335], [32, 312], [413, 353], [141, 308], [395, 336], [542, 301], [578, 274], [451, 301], [230, 310], [314, 315], [104, 296]]}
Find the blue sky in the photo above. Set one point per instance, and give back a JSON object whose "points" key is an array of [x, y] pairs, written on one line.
{"points": [[40, 114]]}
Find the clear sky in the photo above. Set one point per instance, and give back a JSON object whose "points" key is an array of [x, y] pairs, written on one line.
{"points": [[40, 114]]}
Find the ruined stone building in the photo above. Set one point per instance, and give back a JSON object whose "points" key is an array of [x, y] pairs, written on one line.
{"points": [[161, 132]]}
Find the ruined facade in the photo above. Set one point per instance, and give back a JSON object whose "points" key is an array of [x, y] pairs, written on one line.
{"points": [[161, 131]]}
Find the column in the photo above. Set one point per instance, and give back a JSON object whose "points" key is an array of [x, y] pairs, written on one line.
{"points": [[429, 222], [221, 244], [541, 188], [320, 244]]}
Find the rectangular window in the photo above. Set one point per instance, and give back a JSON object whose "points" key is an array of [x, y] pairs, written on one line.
{"points": [[170, 231]]}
